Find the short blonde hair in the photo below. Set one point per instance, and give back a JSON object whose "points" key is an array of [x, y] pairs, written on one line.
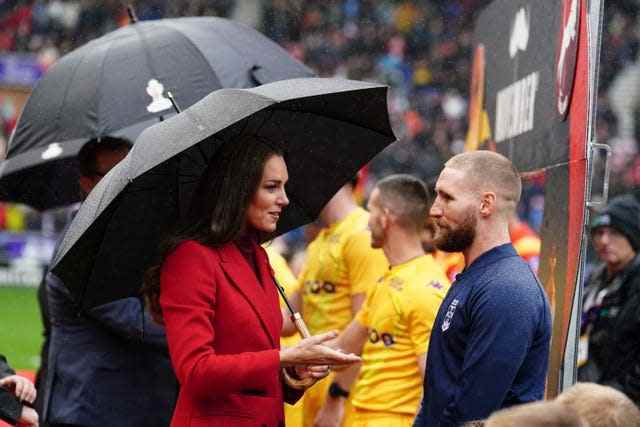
{"points": [[491, 171], [601, 406], [547, 414]]}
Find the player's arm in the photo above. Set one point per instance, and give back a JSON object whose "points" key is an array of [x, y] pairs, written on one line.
{"points": [[422, 364], [356, 302], [351, 340]]}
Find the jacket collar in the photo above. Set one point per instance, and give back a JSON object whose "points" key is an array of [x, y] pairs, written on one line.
{"points": [[260, 291]]}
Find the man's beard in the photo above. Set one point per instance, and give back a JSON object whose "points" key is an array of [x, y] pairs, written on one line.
{"points": [[457, 240]]}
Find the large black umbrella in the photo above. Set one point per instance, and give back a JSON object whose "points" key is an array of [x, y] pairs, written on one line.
{"points": [[117, 85], [331, 128]]}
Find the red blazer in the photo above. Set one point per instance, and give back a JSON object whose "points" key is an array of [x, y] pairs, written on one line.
{"points": [[223, 326]]}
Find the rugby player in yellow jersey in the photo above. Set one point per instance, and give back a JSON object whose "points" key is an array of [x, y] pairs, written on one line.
{"points": [[340, 266], [393, 327], [286, 279]]}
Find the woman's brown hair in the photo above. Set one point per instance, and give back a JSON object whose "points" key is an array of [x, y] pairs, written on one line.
{"points": [[218, 206]]}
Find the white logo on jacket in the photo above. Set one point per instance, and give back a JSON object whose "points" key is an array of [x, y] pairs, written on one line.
{"points": [[450, 312], [519, 33]]}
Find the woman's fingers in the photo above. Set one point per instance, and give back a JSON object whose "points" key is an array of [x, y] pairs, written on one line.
{"points": [[335, 357], [318, 368], [319, 339], [318, 371]]}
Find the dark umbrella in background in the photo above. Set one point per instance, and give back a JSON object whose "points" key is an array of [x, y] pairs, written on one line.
{"points": [[117, 85], [330, 129]]}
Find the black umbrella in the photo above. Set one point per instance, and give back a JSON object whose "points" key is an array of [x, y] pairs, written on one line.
{"points": [[117, 85], [331, 128]]}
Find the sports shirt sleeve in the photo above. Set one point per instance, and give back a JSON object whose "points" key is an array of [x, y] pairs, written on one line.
{"points": [[421, 314], [365, 265]]}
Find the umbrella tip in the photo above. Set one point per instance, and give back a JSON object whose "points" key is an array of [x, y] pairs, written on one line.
{"points": [[132, 14], [173, 102]]}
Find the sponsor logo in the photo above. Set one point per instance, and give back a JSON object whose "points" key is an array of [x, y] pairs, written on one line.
{"points": [[435, 284], [515, 107], [396, 284], [317, 286], [387, 339]]}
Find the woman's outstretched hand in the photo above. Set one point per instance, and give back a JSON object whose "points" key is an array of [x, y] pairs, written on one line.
{"points": [[312, 352]]}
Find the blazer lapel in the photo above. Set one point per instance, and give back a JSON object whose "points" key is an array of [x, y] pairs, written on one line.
{"points": [[242, 277], [271, 293]]}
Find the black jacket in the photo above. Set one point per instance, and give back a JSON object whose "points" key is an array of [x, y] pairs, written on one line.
{"points": [[611, 318], [10, 406]]}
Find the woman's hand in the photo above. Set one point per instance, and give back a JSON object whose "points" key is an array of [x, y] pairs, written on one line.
{"points": [[317, 372], [21, 387], [312, 352]]}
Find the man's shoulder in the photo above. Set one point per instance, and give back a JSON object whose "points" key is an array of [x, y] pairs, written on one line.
{"points": [[512, 269], [510, 280]]}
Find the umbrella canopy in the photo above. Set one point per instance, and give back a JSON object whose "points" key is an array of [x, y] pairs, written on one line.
{"points": [[330, 128], [117, 85]]}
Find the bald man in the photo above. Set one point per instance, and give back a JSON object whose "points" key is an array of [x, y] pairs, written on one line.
{"points": [[490, 341]]}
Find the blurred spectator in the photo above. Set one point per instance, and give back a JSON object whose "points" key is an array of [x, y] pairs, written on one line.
{"points": [[548, 414], [601, 406], [422, 49], [609, 351]]}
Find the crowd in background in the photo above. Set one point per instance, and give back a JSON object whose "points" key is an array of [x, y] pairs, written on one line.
{"points": [[422, 49]]}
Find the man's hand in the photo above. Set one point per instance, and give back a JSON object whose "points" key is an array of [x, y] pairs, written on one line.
{"points": [[331, 413], [21, 387], [28, 418]]}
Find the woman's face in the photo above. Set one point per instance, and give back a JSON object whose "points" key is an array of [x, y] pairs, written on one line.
{"points": [[270, 198]]}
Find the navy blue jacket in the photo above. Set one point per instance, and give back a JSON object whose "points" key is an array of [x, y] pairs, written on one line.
{"points": [[489, 346], [108, 366]]}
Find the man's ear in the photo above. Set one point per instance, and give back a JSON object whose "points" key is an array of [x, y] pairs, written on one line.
{"points": [[488, 203], [385, 218]]}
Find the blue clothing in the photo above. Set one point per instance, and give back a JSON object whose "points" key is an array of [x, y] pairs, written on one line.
{"points": [[108, 366], [489, 347]]}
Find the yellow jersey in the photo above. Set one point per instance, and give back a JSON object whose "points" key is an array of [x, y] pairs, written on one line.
{"points": [[399, 313], [340, 263], [281, 270], [284, 276], [287, 280]]}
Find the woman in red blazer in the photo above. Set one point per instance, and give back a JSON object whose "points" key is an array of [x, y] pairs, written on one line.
{"points": [[215, 294]]}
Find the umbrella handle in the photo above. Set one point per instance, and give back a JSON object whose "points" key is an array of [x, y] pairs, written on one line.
{"points": [[132, 14], [296, 318]]}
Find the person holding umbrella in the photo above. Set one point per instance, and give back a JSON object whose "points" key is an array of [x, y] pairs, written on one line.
{"points": [[215, 294], [115, 349], [202, 170]]}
